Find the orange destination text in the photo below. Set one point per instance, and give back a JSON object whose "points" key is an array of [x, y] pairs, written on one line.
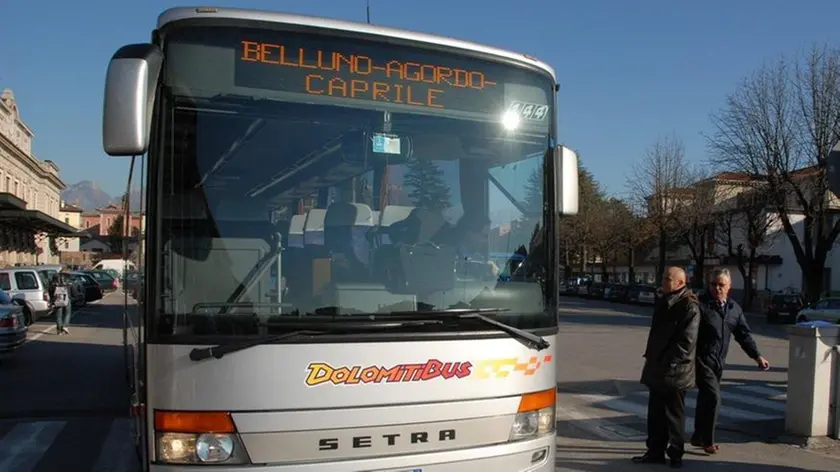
{"points": [[347, 75]]}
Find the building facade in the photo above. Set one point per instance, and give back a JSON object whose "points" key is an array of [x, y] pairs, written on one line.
{"points": [[71, 215], [29, 195], [99, 222]]}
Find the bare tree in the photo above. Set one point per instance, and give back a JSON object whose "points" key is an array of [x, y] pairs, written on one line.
{"points": [[657, 183], [583, 228], [611, 221], [692, 218], [779, 126], [743, 227]]}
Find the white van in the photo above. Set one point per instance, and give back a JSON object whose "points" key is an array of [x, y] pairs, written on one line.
{"points": [[118, 265]]}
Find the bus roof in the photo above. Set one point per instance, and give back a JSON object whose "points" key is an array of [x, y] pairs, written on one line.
{"points": [[182, 13]]}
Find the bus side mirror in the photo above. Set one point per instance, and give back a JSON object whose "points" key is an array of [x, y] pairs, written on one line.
{"points": [[130, 85], [565, 181]]}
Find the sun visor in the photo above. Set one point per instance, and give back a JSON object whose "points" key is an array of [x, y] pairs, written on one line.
{"points": [[191, 206], [241, 209]]}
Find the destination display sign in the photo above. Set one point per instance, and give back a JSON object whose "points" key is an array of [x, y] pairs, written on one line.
{"points": [[373, 73]]}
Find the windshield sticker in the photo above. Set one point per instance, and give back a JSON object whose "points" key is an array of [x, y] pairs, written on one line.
{"points": [[386, 144], [320, 373]]}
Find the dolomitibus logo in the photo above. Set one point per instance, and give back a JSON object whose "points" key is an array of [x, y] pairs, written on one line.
{"points": [[321, 373]]}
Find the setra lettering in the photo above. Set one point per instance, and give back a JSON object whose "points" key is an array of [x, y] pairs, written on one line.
{"points": [[388, 440]]}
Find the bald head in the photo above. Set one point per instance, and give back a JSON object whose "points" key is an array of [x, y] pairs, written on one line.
{"points": [[674, 279]]}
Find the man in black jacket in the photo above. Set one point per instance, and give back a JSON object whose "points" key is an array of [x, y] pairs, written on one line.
{"points": [[722, 318], [669, 368]]}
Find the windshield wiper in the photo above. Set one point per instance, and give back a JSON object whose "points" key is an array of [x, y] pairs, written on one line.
{"points": [[371, 323], [531, 340], [308, 328]]}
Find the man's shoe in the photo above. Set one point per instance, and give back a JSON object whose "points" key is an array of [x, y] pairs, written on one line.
{"points": [[648, 458], [676, 463], [711, 449]]}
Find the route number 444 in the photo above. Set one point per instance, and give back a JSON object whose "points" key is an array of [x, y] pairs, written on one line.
{"points": [[529, 111]]}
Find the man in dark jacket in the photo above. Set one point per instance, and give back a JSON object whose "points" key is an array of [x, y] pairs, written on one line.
{"points": [[669, 368], [722, 318]]}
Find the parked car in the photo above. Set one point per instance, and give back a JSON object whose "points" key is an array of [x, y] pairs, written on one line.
{"points": [[25, 283], [784, 307], [107, 282], [13, 325], [89, 287], [583, 288], [642, 294], [827, 309], [596, 290], [618, 293]]}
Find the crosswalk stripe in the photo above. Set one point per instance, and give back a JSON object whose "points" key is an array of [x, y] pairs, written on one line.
{"points": [[118, 454], [737, 406], [627, 406], [776, 406], [763, 390], [768, 404], [586, 423], [22, 447]]}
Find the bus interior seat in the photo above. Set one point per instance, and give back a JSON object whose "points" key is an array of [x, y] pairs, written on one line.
{"points": [[296, 225], [313, 231], [295, 262], [426, 267], [390, 215], [345, 228]]}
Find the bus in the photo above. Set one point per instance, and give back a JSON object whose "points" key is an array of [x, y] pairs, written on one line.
{"points": [[323, 199]]}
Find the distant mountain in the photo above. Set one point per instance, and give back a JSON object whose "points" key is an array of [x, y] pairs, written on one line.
{"points": [[89, 196], [86, 195], [135, 200]]}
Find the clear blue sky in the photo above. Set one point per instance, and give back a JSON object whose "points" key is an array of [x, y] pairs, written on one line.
{"points": [[630, 70]]}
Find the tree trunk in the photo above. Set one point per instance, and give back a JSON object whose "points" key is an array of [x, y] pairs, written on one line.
{"points": [[584, 262], [660, 263], [631, 266], [742, 268], [813, 278], [700, 266], [748, 287]]}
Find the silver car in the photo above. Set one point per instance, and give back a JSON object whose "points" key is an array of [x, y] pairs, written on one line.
{"points": [[13, 327]]}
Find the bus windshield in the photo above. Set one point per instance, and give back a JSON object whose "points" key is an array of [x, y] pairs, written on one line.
{"points": [[302, 175]]}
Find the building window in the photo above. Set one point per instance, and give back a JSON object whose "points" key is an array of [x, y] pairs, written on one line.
{"points": [[67, 219]]}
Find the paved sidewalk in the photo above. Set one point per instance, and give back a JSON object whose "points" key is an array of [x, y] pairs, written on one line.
{"points": [[580, 452]]}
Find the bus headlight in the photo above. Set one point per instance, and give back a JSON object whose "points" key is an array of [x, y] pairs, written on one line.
{"points": [[192, 448], [197, 438], [536, 416]]}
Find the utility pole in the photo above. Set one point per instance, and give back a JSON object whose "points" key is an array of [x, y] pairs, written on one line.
{"points": [[368, 10]]}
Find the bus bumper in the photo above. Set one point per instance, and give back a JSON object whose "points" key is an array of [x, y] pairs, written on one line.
{"points": [[526, 456]]}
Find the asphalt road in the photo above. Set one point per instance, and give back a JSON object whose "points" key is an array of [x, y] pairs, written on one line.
{"points": [[64, 402], [602, 406]]}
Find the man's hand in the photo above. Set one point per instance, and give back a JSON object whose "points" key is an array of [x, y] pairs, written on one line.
{"points": [[762, 363]]}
